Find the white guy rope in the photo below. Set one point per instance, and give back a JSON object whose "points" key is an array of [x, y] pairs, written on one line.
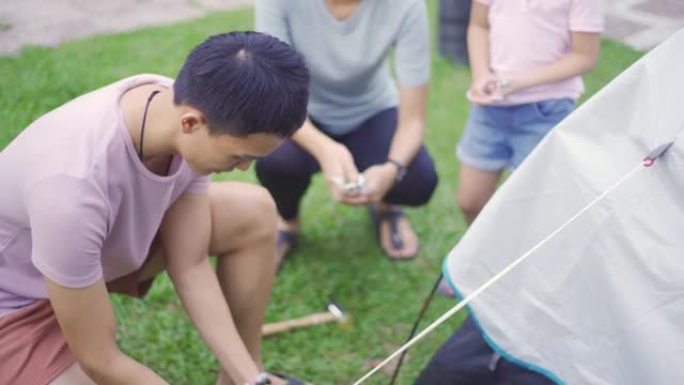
{"points": [[498, 276]]}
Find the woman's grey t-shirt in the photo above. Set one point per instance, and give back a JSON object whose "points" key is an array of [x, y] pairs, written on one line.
{"points": [[350, 75]]}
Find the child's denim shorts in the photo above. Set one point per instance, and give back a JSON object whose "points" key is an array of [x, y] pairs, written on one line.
{"points": [[499, 137]]}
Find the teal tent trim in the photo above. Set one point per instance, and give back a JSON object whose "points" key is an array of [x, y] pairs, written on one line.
{"points": [[545, 372]]}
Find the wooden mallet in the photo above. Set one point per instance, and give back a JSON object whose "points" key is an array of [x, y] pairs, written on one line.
{"points": [[335, 313]]}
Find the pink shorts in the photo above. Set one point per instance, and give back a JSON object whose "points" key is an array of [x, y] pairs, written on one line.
{"points": [[33, 350]]}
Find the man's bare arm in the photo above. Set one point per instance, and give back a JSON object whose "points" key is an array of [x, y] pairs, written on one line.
{"points": [[87, 321]]}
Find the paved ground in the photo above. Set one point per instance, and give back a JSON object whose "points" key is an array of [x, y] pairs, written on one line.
{"points": [[641, 24], [51, 22]]}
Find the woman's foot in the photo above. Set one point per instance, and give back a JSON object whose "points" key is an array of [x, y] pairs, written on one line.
{"points": [[395, 234], [286, 241]]}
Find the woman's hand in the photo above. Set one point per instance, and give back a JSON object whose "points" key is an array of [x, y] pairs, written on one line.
{"points": [[379, 179], [339, 171]]}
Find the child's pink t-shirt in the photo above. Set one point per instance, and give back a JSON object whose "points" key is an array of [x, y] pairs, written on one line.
{"points": [[76, 202], [528, 34]]}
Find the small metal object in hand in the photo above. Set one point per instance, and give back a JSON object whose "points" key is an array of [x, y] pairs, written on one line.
{"points": [[355, 187], [503, 83]]}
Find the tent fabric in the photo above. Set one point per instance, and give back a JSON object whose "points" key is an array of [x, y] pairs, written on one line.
{"points": [[602, 302]]}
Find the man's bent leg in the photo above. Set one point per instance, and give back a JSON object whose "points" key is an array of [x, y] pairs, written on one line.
{"points": [[33, 350], [244, 222], [74, 375]]}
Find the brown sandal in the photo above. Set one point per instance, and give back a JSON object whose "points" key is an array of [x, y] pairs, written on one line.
{"points": [[286, 239], [392, 217]]}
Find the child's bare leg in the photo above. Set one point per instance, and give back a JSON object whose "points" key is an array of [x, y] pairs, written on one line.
{"points": [[475, 187]]}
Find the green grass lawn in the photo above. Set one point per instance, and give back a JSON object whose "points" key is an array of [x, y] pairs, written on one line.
{"points": [[338, 255]]}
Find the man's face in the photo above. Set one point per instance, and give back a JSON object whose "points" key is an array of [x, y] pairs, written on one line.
{"points": [[208, 154]]}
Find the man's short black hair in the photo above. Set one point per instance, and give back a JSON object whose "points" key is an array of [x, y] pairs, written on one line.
{"points": [[245, 83]]}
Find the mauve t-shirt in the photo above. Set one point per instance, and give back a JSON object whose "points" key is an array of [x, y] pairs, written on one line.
{"points": [[76, 202], [528, 34]]}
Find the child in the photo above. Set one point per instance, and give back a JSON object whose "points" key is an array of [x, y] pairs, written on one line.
{"points": [[527, 57]]}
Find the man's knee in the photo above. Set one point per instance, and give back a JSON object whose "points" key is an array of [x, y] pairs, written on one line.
{"points": [[243, 212], [262, 209]]}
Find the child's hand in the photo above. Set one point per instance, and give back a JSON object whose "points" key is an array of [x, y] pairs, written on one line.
{"points": [[478, 98], [493, 89], [483, 85], [483, 90], [503, 86]]}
